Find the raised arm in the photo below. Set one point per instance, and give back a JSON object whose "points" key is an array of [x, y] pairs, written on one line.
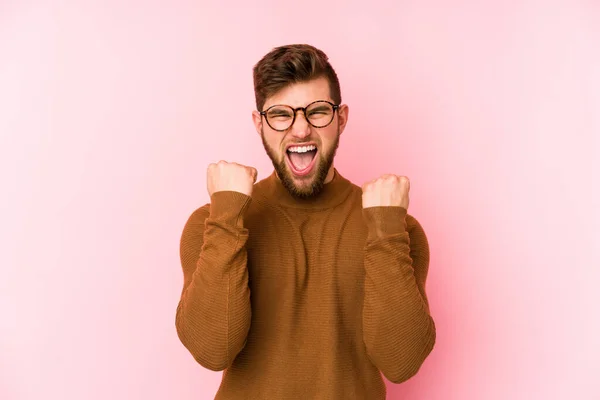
{"points": [[399, 332], [213, 315]]}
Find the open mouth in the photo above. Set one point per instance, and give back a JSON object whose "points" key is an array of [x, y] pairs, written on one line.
{"points": [[301, 159]]}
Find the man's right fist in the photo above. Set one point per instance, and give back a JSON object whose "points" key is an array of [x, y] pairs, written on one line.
{"points": [[230, 176]]}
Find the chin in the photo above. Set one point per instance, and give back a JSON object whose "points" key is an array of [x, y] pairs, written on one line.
{"points": [[305, 186], [308, 182]]}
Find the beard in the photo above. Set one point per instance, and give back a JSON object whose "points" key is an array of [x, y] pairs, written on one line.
{"points": [[317, 181]]}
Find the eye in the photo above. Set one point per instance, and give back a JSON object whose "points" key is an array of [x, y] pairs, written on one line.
{"points": [[319, 111], [280, 116], [279, 113]]}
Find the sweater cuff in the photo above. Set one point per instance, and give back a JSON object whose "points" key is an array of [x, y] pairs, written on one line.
{"points": [[384, 221], [228, 206]]}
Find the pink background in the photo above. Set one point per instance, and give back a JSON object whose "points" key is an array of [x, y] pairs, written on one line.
{"points": [[110, 113]]}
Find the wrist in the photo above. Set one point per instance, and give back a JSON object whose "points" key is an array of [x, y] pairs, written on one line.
{"points": [[384, 221]]}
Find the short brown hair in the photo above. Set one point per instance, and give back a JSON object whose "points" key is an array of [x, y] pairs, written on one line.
{"points": [[290, 64]]}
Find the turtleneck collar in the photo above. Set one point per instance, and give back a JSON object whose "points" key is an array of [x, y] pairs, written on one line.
{"points": [[333, 193]]}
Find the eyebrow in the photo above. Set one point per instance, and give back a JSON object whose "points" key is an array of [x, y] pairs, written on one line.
{"points": [[287, 105]]}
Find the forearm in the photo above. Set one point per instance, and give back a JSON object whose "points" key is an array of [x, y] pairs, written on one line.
{"points": [[213, 315], [399, 332]]}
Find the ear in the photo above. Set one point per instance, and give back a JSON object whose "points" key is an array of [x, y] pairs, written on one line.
{"points": [[257, 120], [343, 112]]}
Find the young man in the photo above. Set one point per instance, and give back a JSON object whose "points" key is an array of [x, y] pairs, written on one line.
{"points": [[303, 285]]}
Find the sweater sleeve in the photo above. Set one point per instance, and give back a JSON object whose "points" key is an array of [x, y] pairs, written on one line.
{"points": [[399, 332], [213, 314]]}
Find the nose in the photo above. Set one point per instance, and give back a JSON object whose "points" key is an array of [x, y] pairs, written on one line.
{"points": [[301, 127]]}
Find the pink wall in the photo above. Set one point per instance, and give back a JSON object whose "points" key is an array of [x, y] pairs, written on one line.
{"points": [[110, 113]]}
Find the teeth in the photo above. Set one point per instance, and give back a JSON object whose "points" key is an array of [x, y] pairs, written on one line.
{"points": [[301, 149]]}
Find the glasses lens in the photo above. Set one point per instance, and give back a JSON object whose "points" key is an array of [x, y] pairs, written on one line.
{"points": [[320, 113], [280, 117]]}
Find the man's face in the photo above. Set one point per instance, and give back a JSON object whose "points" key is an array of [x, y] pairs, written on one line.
{"points": [[302, 172]]}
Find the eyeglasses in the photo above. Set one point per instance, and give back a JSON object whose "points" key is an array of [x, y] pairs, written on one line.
{"points": [[319, 114]]}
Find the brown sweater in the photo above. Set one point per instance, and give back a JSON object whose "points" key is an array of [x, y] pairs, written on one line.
{"points": [[304, 299]]}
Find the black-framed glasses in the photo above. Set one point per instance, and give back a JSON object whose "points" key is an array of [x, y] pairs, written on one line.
{"points": [[319, 114]]}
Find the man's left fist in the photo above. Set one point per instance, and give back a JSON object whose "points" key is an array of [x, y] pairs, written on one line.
{"points": [[387, 190]]}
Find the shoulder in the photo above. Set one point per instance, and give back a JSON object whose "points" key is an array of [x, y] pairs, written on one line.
{"points": [[419, 245], [413, 225], [199, 215], [194, 225], [191, 239]]}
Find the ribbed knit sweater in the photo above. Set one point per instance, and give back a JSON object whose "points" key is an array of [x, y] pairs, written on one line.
{"points": [[304, 299]]}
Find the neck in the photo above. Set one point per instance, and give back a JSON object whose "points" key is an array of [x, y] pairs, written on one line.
{"points": [[335, 190], [330, 175]]}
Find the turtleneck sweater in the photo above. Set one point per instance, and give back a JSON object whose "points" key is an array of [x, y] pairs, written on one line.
{"points": [[304, 298]]}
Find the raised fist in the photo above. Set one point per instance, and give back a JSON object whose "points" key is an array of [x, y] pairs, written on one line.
{"points": [[225, 176], [387, 190]]}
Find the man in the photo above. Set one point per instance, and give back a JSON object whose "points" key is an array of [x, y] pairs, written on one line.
{"points": [[303, 285]]}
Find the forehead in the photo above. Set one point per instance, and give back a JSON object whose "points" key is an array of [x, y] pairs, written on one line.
{"points": [[300, 94]]}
